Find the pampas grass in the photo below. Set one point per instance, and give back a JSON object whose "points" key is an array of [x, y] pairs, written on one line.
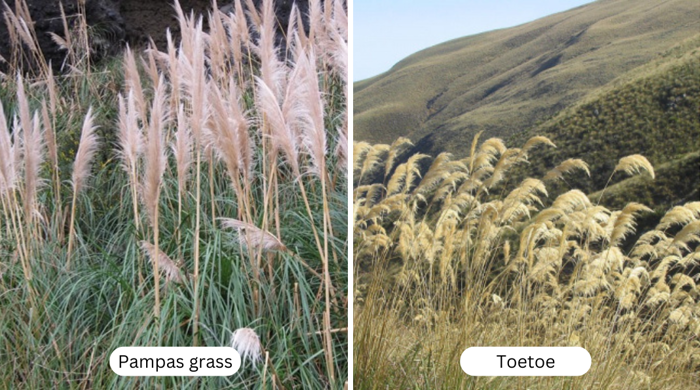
{"points": [[7, 156], [33, 153], [182, 149], [86, 151], [314, 139], [32, 142], [252, 236], [155, 164], [131, 144], [246, 342], [214, 126], [165, 264], [81, 170], [52, 147]]}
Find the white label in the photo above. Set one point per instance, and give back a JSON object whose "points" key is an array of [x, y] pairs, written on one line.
{"points": [[525, 361], [175, 361]]}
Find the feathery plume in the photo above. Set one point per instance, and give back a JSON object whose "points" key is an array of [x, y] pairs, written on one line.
{"points": [[399, 146], [53, 92], [316, 26], [173, 71], [234, 43], [149, 63], [314, 134], [359, 154], [341, 146], [133, 81], [19, 25], [7, 156], [33, 157], [679, 215], [81, 169], [165, 264], [635, 164], [30, 136], [155, 152], [271, 69], [301, 33], [252, 236], [242, 23], [224, 132], [50, 135], [86, 151], [537, 140], [185, 23], [23, 105], [339, 55], [689, 234], [493, 147], [218, 43], [182, 149], [130, 136], [194, 81], [374, 156], [293, 43], [340, 18], [624, 223], [252, 11], [566, 167], [246, 342], [283, 138], [245, 147]]}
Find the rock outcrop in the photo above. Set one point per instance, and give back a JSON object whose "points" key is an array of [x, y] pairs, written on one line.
{"points": [[113, 23], [107, 26]]}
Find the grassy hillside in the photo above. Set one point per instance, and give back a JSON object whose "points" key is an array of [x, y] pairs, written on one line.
{"points": [[653, 111], [505, 81]]}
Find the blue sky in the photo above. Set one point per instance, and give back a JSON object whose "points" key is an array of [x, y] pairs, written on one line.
{"points": [[386, 31]]}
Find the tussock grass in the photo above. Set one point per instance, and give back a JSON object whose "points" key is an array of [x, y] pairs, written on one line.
{"points": [[111, 235], [445, 259]]}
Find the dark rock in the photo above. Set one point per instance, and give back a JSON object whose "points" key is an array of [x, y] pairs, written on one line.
{"points": [[146, 19], [151, 18], [106, 32], [116, 22]]}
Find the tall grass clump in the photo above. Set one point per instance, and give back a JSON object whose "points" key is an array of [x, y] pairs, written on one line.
{"points": [[450, 253], [190, 196]]}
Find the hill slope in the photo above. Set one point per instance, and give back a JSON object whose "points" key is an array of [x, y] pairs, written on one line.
{"points": [[505, 81], [653, 110]]}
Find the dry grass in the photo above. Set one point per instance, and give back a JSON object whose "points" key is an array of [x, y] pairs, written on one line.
{"points": [[445, 259]]}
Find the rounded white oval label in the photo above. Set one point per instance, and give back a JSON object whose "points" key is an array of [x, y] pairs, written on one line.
{"points": [[175, 361], [525, 361]]}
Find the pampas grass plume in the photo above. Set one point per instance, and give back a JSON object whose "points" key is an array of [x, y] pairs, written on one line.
{"points": [[314, 134], [253, 236], [155, 152], [283, 139], [182, 149], [86, 151], [130, 137], [81, 169], [166, 264], [7, 157], [246, 342], [33, 158]]}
